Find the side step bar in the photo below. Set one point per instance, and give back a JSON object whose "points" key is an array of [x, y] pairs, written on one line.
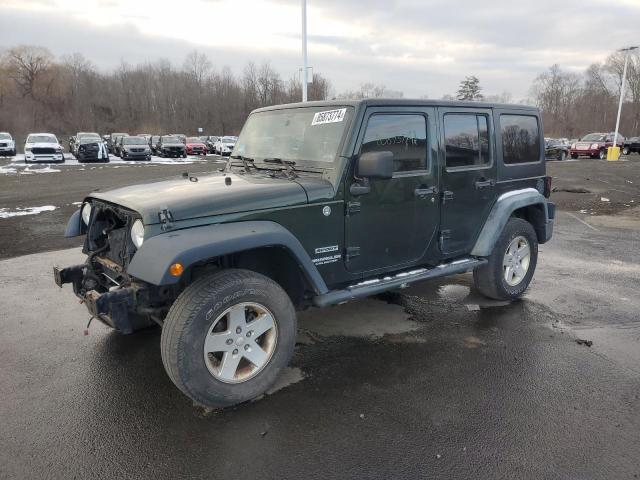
{"points": [[399, 280]]}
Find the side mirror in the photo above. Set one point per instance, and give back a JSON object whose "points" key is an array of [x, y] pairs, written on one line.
{"points": [[375, 165]]}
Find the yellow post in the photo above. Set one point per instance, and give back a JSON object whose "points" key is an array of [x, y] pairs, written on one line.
{"points": [[613, 154]]}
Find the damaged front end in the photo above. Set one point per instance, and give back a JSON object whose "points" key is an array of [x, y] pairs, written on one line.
{"points": [[102, 282]]}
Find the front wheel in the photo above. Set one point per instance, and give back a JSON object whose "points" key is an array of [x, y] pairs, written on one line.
{"points": [[227, 337], [562, 156], [626, 151], [512, 263], [603, 154]]}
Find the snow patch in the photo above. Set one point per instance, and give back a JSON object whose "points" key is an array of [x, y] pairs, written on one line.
{"points": [[21, 212]]}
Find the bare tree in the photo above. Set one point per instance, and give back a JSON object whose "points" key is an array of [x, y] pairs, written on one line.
{"points": [[27, 64]]}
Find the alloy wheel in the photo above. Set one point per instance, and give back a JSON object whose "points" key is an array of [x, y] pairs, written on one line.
{"points": [[516, 261], [240, 342]]}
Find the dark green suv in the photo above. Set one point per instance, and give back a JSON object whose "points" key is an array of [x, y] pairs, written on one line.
{"points": [[320, 203]]}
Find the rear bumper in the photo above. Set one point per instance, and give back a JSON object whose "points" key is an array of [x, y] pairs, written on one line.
{"points": [[114, 307], [546, 229]]}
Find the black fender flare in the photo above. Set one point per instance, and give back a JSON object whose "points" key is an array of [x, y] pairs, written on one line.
{"points": [[506, 204], [192, 245]]}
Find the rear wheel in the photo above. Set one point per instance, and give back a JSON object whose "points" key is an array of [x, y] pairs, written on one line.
{"points": [[626, 151], [512, 263], [227, 337]]}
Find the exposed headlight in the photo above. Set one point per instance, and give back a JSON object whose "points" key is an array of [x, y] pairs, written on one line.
{"points": [[594, 145], [137, 233], [86, 213]]}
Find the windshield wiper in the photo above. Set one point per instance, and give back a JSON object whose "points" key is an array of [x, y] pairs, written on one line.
{"points": [[246, 161], [288, 164]]}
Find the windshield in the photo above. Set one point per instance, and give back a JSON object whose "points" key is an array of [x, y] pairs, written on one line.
{"points": [[5, 136], [194, 140], [594, 137], [41, 139], [311, 134], [229, 139], [134, 141], [170, 140]]}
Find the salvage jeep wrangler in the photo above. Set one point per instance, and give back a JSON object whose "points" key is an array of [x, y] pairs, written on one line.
{"points": [[320, 203]]}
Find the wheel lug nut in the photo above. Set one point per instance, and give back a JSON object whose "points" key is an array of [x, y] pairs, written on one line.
{"points": [[238, 330], [229, 341], [248, 334], [235, 352], [246, 347]]}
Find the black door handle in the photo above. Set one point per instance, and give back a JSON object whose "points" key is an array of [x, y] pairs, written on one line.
{"points": [[484, 184], [423, 192]]}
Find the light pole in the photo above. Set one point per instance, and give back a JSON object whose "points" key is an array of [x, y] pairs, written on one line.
{"points": [[304, 51], [615, 149]]}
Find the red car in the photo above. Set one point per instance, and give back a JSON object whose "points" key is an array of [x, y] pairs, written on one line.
{"points": [[195, 146], [595, 145]]}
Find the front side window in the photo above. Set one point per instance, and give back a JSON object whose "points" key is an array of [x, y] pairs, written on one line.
{"points": [[520, 139], [403, 135], [466, 138]]}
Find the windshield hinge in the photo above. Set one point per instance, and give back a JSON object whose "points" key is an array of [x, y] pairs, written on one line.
{"points": [[353, 207], [352, 252], [166, 218]]}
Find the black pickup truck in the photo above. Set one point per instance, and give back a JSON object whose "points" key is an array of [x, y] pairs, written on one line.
{"points": [[320, 203]]}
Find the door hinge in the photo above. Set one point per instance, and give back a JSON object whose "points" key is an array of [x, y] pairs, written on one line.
{"points": [[353, 207], [444, 236], [166, 218], [446, 196], [352, 252]]}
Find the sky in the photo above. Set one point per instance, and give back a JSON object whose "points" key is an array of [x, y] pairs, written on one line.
{"points": [[419, 47]]}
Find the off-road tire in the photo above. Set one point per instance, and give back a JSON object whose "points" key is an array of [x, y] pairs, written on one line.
{"points": [[489, 279], [190, 318]]}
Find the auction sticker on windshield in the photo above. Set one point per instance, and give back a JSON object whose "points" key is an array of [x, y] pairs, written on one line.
{"points": [[330, 116]]}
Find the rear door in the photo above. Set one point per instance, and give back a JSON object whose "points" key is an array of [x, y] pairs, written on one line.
{"points": [[468, 176], [393, 224]]}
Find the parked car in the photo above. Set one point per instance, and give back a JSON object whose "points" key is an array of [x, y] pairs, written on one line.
{"points": [[43, 147], [181, 136], [211, 142], [111, 142], [195, 146], [555, 149], [153, 142], [90, 147], [595, 145], [80, 137], [354, 207], [171, 146], [224, 145], [631, 145], [135, 148], [117, 144], [7, 144]]}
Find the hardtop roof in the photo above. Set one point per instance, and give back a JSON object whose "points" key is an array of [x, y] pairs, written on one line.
{"points": [[398, 102]]}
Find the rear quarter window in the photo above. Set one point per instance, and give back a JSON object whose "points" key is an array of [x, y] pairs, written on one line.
{"points": [[520, 139]]}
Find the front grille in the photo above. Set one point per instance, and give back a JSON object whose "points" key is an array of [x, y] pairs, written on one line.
{"points": [[583, 146], [3, 145], [43, 151], [137, 150]]}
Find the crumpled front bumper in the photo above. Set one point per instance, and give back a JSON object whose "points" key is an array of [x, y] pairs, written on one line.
{"points": [[113, 307]]}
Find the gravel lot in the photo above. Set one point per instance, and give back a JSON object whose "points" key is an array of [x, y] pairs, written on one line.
{"points": [[431, 382]]}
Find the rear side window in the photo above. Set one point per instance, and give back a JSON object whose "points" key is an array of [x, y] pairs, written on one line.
{"points": [[520, 139], [466, 140], [403, 135]]}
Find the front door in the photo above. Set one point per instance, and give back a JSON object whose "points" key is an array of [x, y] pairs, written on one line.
{"points": [[393, 223], [468, 176]]}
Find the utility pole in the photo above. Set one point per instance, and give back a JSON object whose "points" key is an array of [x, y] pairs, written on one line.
{"points": [[614, 152], [305, 68]]}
